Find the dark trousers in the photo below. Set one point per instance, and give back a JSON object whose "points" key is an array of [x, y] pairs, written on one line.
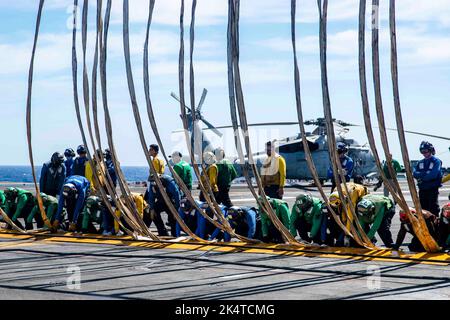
{"points": [[107, 221], [223, 197], [303, 227], [160, 207], [70, 207], [416, 245], [274, 235], [384, 231], [272, 192], [429, 200], [24, 214], [385, 228], [444, 232]]}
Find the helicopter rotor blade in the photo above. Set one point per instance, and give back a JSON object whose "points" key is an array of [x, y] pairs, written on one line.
{"points": [[261, 125], [422, 134], [173, 95], [202, 100], [211, 127]]}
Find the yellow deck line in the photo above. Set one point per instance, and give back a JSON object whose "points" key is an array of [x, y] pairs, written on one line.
{"points": [[286, 250]]}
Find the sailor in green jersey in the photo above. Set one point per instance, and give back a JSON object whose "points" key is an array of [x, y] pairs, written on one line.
{"points": [[50, 206], [19, 204], [269, 232], [397, 169], [308, 216], [94, 211], [182, 168], [375, 214], [3, 202], [225, 176]]}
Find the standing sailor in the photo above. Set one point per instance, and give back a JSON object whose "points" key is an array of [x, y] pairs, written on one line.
{"points": [[79, 164], [53, 174], [225, 176], [210, 174], [428, 173], [182, 168], [346, 163], [70, 156], [273, 173]]}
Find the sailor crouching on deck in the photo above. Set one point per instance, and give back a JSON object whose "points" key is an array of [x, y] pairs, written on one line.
{"points": [[307, 215], [73, 196]]}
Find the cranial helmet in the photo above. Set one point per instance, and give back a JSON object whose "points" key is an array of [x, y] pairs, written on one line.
{"points": [[404, 216], [303, 202], [446, 211], [11, 193], [44, 197], [234, 213], [341, 147], [209, 157], [57, 159], [425, 145], [81, 150], [186, 205], [69, 190], [366, 208], [69, 153], [334, 200]]}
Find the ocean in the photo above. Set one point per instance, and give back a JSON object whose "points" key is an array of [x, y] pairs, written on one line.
{"points": [[22, 174]]}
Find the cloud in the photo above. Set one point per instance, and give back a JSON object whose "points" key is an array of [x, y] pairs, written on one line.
{"points": [[213, 12], [417, 45]]}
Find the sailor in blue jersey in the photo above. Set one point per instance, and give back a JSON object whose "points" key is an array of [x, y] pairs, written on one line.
{"points": [[72, 197], [428, 173], [346, 163]]}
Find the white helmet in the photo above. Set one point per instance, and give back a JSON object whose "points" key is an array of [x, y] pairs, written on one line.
{"points": [[209, 158]]}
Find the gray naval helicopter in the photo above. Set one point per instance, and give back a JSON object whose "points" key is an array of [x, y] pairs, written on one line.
{"points": [[291, 148]]}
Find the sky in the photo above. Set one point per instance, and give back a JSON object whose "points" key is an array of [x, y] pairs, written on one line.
{"points": [[266, 65]]}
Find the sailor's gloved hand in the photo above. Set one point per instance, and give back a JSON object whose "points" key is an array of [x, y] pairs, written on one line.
{"points": [[55, 226], [344, 172], [152, 214], [72, 227]]}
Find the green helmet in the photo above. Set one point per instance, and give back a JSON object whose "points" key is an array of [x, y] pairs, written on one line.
{"points": [[303, 202], [92, 201], [366, 208], [10, 193], [44, 196]]}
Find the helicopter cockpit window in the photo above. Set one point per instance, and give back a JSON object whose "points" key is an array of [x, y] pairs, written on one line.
{"points": [[297, 147]]}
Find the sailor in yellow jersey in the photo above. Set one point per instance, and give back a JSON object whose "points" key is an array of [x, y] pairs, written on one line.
{"points": [[445, 180], [210, 175], [273, 173], [142, 209], [100, 168], [356, 192], [157, 162]]}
